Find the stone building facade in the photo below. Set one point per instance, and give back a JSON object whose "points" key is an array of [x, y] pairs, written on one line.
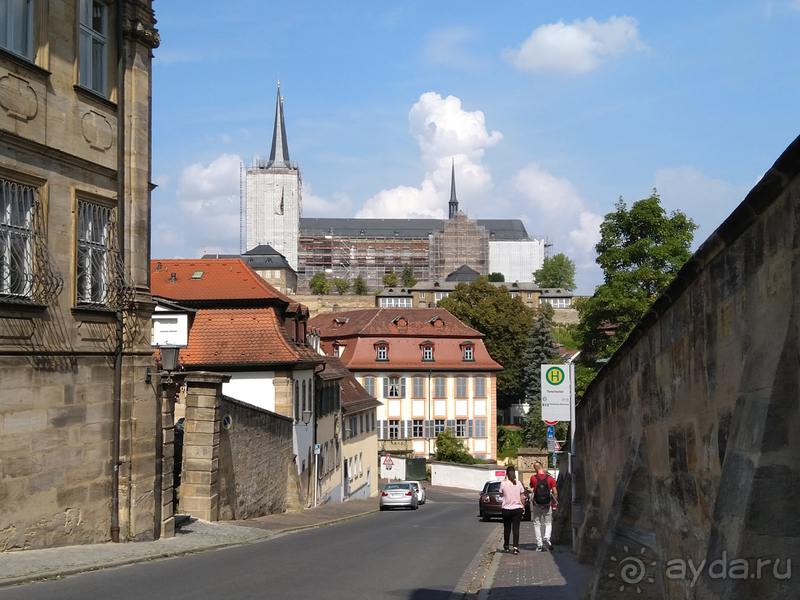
{"points": [[77, 421]]}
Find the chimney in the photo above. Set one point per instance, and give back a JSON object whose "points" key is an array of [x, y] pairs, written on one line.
{"points": [[173, 278]]}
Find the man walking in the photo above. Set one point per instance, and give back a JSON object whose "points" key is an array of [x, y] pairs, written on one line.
{"points": [[544, 493]]}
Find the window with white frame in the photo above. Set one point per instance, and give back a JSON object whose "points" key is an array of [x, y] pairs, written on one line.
{"points": [[468, 352], [95, 224], [17, 203], [440, 387], [438, 426], [394, 429], [461, 387], [480, 428], [417, 428], [16, 27], [461, 428], [392, 302], [441, 295], [94, 46], [394, 387], [427, 352], [382, 352], [556, 302], [369, 384], [480, 386], [422, 294]]}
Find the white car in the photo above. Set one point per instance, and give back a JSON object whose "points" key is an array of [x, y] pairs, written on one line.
{"points": [[419, 489]]}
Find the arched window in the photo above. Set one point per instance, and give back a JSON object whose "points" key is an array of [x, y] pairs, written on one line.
{"points": [[304, 396], [296, 400]]}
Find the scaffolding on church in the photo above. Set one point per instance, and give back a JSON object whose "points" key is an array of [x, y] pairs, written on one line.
{"points": [[461, 242]]}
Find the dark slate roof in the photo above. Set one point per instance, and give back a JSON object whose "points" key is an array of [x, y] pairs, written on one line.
{"points": [[463, 273], [498, 229], [260, 257]]}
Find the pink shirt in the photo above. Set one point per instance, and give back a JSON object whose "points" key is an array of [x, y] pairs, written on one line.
{"points": [[511, 494]]}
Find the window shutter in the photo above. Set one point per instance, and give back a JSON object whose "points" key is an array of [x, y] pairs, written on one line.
{"points": [[469, 428], [380, 429], [385, 387], [428, 428], [451, 425], [402, 387]]}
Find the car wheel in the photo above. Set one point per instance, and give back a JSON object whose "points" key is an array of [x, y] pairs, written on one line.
{"points": [[485, 517], [383, 508]]}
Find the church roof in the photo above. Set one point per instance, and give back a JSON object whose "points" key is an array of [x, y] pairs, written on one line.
{"points": [[463, 273], [279, 154], [496, 229]]}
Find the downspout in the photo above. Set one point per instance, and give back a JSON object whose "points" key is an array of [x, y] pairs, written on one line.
{"points": [[115, 445]]}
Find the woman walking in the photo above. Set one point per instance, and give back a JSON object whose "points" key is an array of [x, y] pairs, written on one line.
{"points": [[513, 494]]}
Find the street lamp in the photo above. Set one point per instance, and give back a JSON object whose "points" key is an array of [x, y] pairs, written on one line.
{"points": [[169, 358], [306, 416]]}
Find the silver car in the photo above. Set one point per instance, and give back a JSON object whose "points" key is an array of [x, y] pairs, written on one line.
{"points": [[399, 494], [419, 489]]}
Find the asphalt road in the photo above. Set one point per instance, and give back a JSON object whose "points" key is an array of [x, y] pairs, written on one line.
{"points": [[393, 555]]}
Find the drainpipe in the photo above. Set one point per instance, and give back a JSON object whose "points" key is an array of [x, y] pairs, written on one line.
{"points": [[115, 445]]}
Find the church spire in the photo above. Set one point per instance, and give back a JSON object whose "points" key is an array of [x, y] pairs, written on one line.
{"points": [[453, 204], [279, 155]]}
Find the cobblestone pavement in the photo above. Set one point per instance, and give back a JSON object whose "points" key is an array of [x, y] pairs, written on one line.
{"points": [[532, 575]]}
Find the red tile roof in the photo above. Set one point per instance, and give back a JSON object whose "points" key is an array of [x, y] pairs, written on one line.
{"points": [[220, 279], [354, 397], [405, 354], [222, 336], [384, 322]]}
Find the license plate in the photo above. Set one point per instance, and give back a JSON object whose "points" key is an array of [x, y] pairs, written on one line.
{"points": [[395, 495]]}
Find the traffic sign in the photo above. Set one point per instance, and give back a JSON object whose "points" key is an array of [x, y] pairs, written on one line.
{"points": [[556, 393], [551, 438], [551, 422], [317, 449], [388, 462]]}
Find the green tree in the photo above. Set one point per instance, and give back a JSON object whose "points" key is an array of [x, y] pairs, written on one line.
{"points": [[640, 252], [497, 277], [541, 350], [508, 440], [449, 448], [505, 323], [407, 276], [390, 279], [360, 287], [342, 285], [556, 272], [319, 284]]}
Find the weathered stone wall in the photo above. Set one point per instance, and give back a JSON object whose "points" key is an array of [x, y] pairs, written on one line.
{"points": [[688, 441], [254, 454], [334, 303]]}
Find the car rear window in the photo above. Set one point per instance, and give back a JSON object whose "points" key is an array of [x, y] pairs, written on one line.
{"points": [[493, 487], [396, 486]]}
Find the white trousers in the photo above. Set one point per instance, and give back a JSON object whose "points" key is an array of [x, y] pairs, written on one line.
{"points": [[542, 522]]}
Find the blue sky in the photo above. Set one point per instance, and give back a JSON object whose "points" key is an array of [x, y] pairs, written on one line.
{"points": [[551, 110]]}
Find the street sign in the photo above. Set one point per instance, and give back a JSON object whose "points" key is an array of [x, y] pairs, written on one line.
{"points": [[317, 449], [388, 462], [551, 422], [556, 393], [551, 438]]}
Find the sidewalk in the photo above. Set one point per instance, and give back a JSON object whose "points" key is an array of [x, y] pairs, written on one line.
{"points": [[532, 575], [192, 536]]}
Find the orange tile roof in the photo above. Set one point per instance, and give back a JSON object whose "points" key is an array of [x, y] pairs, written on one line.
{"points": [[405, 354], [221, 279], [354, 397], [385, 321], [222, 336]]}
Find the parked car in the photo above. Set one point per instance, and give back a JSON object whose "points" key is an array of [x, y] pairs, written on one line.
{"points": [[399, 494], [491, 505], [419, 489]]}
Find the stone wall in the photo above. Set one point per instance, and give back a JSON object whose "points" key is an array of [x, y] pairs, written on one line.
{"points": [[688, 441], [255, 452], [334, 303]]}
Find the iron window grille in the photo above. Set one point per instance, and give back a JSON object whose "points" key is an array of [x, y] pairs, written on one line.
{"points": [[102, 278], [27, 272]]}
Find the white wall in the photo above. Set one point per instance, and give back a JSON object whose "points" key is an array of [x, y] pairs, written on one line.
{"points": [[303, 438], [468, 477], [256, 388], [516, 259]]}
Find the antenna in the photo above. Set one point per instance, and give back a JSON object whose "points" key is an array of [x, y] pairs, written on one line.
{"points": [[240, 207]]}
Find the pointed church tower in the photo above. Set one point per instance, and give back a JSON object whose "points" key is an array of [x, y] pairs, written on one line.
{"points": [[453, 204], [275, 196]]}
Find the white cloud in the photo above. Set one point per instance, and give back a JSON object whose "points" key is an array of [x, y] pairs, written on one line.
{"points": [[545, 192], [445, 132], [318, 206], [560, 49], [448, 48], [208, 197], [587, 236]]}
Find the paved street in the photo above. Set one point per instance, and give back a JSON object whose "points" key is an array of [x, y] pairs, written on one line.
{"points": [[441, 551]]}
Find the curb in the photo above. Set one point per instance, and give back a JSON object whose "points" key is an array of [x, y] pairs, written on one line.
{"points": [[60, 573]]}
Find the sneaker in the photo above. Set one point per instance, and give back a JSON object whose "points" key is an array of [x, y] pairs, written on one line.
{"points": [[547, 544], [516, 550], [505, 549], [539, 548]]}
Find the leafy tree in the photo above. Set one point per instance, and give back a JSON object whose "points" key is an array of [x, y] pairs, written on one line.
{"points": [[496, 277], [319, 284], [390, 279], [508, 440], [449, 448], [360, 287], [342, 285], [505, 323], [541, 350], [556, 272], [640, 252], [407, 276]]}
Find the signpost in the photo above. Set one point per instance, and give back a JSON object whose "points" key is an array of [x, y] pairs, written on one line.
{"points": [[558, 404], [388, 462]]}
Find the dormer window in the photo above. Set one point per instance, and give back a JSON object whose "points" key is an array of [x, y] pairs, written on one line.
{"points": [[437, 322], [400, 322], [468, 352], [336, 349], [382, 351], [427, 351]]}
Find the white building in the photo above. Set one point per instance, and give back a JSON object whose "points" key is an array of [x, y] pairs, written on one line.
{"points": [[275, 196], [516, 259]]}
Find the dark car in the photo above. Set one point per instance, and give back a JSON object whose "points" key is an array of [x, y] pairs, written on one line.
{"points": [[490, 504]]}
